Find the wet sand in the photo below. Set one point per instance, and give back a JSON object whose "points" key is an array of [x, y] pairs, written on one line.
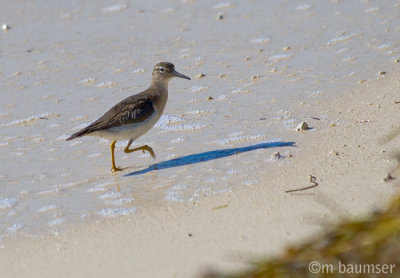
{"points": [[228, 230], [215, 196]]}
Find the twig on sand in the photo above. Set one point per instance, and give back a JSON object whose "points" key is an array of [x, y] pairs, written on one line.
{"points": [[221, 206], [312, 181]]}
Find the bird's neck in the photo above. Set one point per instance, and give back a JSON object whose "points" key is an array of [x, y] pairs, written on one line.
{"points": [[161, 85]]}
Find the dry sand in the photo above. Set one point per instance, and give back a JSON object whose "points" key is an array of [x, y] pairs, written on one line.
{"points": [[228, 230]]}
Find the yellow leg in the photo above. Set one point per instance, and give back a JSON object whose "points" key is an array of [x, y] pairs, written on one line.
{"points": [[114, 169], [143, 148]]}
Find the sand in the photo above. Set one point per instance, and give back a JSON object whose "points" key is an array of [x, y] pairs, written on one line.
{"points": [[218, 198], [226, 231]]}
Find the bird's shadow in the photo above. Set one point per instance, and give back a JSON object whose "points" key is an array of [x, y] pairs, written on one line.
{"points": [[207, 156]]}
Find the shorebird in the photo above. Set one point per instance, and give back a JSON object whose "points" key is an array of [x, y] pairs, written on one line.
{"points": [[135, 115]]}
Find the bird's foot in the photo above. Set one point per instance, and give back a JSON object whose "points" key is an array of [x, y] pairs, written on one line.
{"points": [[143, 148], [150, 150], [115, 169]]}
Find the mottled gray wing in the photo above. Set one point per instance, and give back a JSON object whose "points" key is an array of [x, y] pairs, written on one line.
{"points": [[129, 111], [126, 113]]}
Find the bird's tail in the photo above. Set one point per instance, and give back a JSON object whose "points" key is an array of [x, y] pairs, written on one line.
{"points": [[78, 134]]}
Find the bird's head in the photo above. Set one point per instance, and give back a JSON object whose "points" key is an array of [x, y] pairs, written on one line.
{"points": [[164, 71]]}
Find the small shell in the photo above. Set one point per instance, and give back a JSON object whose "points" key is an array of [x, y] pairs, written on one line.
{"points": [[302, 126], [276, 155]]}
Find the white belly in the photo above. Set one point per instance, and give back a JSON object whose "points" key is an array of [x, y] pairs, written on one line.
{"points": [[129, 131]]}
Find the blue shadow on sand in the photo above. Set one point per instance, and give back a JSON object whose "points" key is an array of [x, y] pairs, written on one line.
{"points": [[207, 156]]}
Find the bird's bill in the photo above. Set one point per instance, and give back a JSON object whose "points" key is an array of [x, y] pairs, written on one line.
{"points": [[180, 75]]}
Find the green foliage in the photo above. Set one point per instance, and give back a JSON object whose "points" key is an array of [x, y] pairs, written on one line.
{"points": [[370, 246]]}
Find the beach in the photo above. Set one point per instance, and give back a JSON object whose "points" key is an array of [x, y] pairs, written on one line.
{"points": [[229, 230], [233, 181]]}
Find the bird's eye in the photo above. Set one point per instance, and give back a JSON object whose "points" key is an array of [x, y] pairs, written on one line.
{"points": [[161, 69]]}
